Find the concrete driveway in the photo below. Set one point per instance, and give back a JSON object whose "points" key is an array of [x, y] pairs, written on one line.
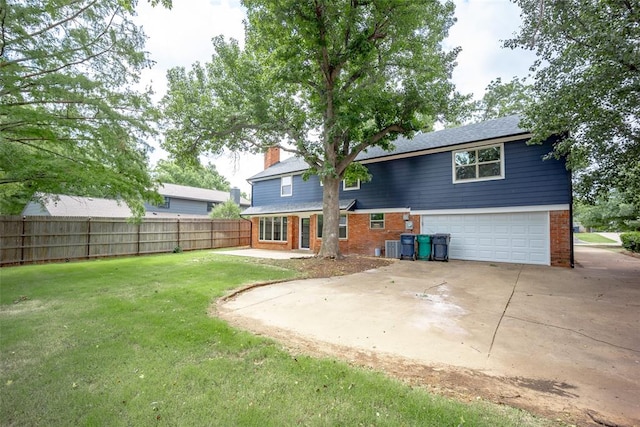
{"points": [[554, 339]]}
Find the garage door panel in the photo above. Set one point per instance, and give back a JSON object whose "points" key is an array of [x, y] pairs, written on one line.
{"points": [[521, 237]]}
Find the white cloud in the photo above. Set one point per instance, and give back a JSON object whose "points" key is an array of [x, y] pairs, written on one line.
{"points": [[182, 36], [481, 28]]}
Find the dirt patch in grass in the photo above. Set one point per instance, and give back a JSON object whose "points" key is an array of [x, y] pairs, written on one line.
{"points": [[313, 267]]}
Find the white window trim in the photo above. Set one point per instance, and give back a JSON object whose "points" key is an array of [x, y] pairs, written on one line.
{"points": [[282, 185], [283, 229], [345, 188], [487, 178], [346, 226], [377, 221]]}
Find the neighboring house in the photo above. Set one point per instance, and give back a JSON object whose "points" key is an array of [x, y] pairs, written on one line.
{"points": [[179, 200], [500, 199]]}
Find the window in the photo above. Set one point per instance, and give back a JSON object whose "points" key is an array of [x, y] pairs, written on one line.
{"points": [[342, 231], [165, 204], [273, 229], [210, 206], [286, 186], [348, 185], [376, 220], [478, 164]]}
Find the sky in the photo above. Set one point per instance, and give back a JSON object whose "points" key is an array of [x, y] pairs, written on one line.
{"points": [[182, 36]]}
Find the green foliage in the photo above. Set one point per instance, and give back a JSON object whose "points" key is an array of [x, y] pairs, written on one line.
{"points": [[324, 80], [587, 83], [191, 175], [610, 213], [631, 241], [226, 210], [131, 342], [70, 122], [504, 99]]}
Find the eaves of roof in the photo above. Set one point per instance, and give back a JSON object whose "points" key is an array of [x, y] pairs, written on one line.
{"points": [[345, 205]]}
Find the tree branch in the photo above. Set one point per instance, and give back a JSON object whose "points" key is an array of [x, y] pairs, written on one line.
{"points": [[56, 24], [371, 142]]}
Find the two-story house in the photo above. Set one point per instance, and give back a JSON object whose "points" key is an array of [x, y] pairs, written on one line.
{"points": [[500, 199]]}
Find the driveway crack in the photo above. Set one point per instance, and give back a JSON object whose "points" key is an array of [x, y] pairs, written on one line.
{"points": [[495, 332], [575, 332]]}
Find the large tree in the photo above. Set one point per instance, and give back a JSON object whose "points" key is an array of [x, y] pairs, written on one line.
{"points": [[324, 79], [587, 82], [192, 175], [70, 121], [503, 99]]}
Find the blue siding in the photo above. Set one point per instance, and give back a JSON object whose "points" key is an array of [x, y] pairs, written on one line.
{"points": [[268, 192], [425, 182]]}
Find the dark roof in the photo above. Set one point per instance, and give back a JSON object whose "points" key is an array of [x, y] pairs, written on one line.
{"points": [[491, 129], [195, 193], [295, 207]]}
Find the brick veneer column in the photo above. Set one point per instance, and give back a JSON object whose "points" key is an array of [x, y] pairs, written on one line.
{"points": [[560, 238]]}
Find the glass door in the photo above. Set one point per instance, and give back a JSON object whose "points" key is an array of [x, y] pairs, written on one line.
{"points": [[305, 232]]}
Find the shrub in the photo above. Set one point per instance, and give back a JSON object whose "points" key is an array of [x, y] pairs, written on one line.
{"points": [[631, 241]]}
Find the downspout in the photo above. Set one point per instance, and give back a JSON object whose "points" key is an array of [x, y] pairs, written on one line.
{"points": [[572, 253]]}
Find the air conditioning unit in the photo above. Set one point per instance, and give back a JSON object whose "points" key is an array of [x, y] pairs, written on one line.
{"points": [[392, 249]]}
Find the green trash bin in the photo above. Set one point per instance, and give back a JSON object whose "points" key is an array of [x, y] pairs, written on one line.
{"points": [[424, 247]]}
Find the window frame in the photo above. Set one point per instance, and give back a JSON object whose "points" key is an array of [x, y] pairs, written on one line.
{"points": [[350, 188], [376, 221], [344, 227], [283, 185], [477, 164], [166, 204], [281, 228]]}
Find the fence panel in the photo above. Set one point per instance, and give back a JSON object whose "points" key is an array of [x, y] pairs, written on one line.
{"points": [[113, 237], [11, 239], [25, 240], [54, 240]]}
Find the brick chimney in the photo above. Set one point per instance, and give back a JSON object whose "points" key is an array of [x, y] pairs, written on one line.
{"points": [[271, 157]]}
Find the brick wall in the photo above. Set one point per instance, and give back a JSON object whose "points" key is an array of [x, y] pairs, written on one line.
{"points": [[361, 239], [560, 238]]}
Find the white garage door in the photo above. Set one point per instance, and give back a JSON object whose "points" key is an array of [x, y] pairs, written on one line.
{"points": [[521, 237]]}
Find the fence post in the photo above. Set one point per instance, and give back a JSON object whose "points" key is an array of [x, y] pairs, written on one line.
{"points": [[178, 232], [138, 239], [24, 219], [211, 243], [88, 237]]}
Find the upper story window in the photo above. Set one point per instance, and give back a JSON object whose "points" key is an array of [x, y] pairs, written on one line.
{"points": [[376, 220], [348, 185], [286, 186], [165, 204], [478, 164]]}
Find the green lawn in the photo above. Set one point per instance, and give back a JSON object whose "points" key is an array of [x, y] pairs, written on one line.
{"points": [[593, 238], [129, 342]]}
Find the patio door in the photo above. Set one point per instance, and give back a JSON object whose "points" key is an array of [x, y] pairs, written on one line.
{"points": [[305, 232]]}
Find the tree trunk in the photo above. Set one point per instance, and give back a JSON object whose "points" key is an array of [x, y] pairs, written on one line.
{"points": [[331, 218]]}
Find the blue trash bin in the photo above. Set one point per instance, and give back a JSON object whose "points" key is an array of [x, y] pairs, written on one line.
{"points": [[440, 247], [408, 242]]}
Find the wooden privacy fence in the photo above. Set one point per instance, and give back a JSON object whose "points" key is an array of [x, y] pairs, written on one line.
{"points": [[25, 240]]}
